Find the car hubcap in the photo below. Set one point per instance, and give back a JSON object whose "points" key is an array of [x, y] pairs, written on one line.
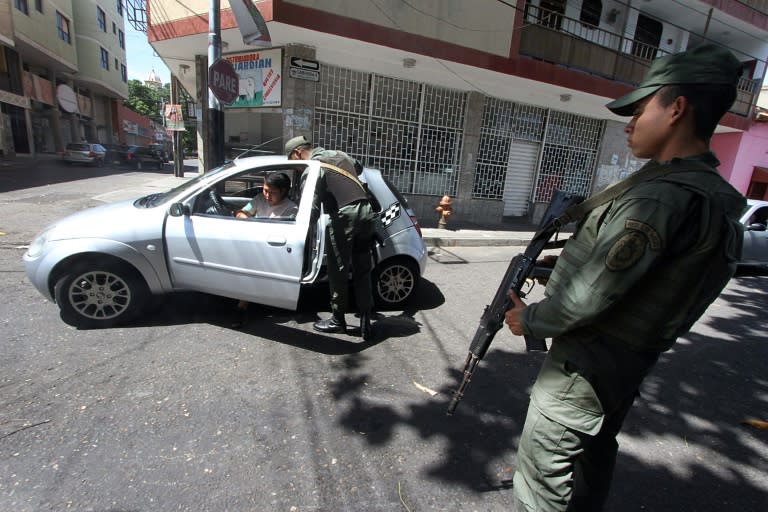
{"points": [[395, 283], [99, 295]]}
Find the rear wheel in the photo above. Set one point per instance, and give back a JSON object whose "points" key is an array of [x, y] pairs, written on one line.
{"points": [[99, 295], [394, 282]]}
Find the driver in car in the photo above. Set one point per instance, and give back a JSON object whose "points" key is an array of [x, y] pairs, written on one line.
{"points": [[273, 201]]}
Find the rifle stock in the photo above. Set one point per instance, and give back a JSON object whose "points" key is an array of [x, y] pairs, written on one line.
{"points": [[520, 269]]}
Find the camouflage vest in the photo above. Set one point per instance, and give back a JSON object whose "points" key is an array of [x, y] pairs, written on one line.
{"points": [[669, 299]]}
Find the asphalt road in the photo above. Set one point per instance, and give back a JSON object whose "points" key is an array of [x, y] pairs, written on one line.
{"points": [[181, 412]]}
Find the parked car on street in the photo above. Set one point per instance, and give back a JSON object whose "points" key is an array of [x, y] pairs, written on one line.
{"points": [[99, 265], [142, 157], [84, 153], [755, 220], [161, 152]]}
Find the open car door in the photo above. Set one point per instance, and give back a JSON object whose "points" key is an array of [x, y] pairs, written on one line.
{"points": [[258, 260]]}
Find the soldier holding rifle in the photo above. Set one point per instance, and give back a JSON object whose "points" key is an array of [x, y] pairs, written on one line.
{"points": [[639, 271]]}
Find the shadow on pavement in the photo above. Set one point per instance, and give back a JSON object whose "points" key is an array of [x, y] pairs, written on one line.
{"points": [[692, 408], [282, 325]]}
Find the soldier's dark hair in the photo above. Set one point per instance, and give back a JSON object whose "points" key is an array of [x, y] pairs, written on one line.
{"points": [[280, 181], [710, 102]]}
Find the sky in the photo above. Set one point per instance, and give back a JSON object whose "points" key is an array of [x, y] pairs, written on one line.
{"points": [[141, 57]]}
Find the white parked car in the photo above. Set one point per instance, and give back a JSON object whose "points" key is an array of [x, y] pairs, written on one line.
{"points": [[100, 265], [755, 219]]}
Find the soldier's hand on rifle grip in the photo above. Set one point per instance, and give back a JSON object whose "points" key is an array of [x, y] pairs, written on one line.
{"points": [[547, 261], [512, 316]]}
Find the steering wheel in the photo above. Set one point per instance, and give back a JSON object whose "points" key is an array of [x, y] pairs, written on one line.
{"points": [[217, 205]]}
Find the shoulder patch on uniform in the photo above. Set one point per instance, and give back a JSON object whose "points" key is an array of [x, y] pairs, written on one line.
{"points": [[654, 240], [626, 251]]}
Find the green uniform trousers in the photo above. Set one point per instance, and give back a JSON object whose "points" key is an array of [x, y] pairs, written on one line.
{"points": [[568, 447], [350, 234]]}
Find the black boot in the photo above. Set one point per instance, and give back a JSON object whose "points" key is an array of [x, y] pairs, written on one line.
{"points": [[366, 329], [331, 325]]}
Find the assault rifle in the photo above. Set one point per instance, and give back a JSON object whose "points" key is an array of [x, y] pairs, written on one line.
{"points": [[521, 268]]}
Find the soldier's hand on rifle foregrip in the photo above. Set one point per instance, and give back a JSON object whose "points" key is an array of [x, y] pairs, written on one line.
{"points": [[512, 316]]}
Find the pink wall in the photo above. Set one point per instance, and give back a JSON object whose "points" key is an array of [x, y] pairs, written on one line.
{"points": [[739, 153]]}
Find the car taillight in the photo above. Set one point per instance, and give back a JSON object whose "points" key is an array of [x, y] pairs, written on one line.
{"points": [[416, 225], [128, 156], [91, 154]]}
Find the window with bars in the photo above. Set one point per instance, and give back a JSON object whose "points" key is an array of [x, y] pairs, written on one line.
{"points": [[412, 132], [568, 157], [503, 122], [569, 148]]}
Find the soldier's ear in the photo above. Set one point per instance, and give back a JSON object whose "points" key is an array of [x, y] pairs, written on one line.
{"points": [[679, 108]]}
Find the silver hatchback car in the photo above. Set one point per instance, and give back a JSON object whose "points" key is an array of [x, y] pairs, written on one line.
{"points": [[100, 265], [84, 153]]}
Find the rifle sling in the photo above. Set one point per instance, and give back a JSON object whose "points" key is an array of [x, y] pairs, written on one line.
{"points": [[578, 211], [344, 173]]}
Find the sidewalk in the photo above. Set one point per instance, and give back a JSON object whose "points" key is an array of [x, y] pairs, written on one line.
{"points": [[434, 237]]}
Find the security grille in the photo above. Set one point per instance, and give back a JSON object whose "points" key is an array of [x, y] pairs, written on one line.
{"points": [[568, 158], [503, 121], [570, 145], [412, 132]]}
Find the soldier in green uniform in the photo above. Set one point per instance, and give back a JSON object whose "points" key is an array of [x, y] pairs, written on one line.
{"points": [[637, 273], [350, 232]]}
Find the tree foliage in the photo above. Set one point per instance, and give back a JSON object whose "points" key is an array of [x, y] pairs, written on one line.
{"points": [[147, 101]]}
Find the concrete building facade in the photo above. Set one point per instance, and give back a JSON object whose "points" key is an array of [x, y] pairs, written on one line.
{"points": [[62, 69], [493, 103]]}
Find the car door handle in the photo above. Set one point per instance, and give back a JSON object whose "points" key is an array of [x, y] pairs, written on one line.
{"points": [[277, 240]]}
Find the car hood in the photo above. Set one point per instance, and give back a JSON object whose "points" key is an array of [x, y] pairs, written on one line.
{"points": [[121, 221]]}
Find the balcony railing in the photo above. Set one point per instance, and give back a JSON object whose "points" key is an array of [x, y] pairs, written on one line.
{"points": [[555, 38]]}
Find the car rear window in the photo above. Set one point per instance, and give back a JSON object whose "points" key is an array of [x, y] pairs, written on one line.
{"points": [[78, 147], [403, 201]]}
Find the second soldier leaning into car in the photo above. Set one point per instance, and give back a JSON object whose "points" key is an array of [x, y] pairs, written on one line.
{"points": [[350, 231]]}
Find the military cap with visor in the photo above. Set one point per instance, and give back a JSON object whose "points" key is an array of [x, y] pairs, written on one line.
{"points": [[294, 143], [704, 64]]}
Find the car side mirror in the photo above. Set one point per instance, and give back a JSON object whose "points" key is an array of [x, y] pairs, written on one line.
{"points": [[178, 210], [756, 226]]}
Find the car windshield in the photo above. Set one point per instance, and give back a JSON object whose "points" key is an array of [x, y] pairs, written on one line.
{"points": [[78, 147], [159, 198]]}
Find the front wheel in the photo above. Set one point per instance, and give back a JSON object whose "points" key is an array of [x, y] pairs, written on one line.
{"points": [[394, 283], [100, 295]]}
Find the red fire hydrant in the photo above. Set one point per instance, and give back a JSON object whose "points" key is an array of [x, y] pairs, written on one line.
{"points": [[444, 209]]}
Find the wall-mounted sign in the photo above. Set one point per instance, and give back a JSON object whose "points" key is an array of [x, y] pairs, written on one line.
{"points": [[259, 77], [174, 120], [304, 69], [67, 98]]}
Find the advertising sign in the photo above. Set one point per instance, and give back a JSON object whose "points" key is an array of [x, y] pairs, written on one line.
{"points": [[259, 76], [174, 120]]}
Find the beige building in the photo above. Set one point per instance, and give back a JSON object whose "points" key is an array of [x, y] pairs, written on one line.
{"points": [[62, 67]]}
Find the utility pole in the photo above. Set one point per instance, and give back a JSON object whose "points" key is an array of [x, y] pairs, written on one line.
{"points": [[178, 152], [215, 156]]}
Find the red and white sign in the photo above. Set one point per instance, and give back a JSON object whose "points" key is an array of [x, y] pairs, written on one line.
{"points": [[223, 81]]}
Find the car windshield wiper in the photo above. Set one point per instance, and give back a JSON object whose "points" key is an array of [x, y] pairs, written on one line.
{"points": [[148, 201]]}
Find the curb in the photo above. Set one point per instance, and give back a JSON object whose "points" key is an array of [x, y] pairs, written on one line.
{"points": [[435, 242]]}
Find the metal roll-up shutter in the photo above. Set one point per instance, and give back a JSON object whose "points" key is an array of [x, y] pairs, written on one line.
{"points": [[518, 184]]}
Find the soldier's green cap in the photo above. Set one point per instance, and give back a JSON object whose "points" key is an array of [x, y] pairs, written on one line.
{"points": [[294, 143], [705, 64]]}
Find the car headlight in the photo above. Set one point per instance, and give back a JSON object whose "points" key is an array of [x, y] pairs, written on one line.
{"points": [[36, 247]]}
